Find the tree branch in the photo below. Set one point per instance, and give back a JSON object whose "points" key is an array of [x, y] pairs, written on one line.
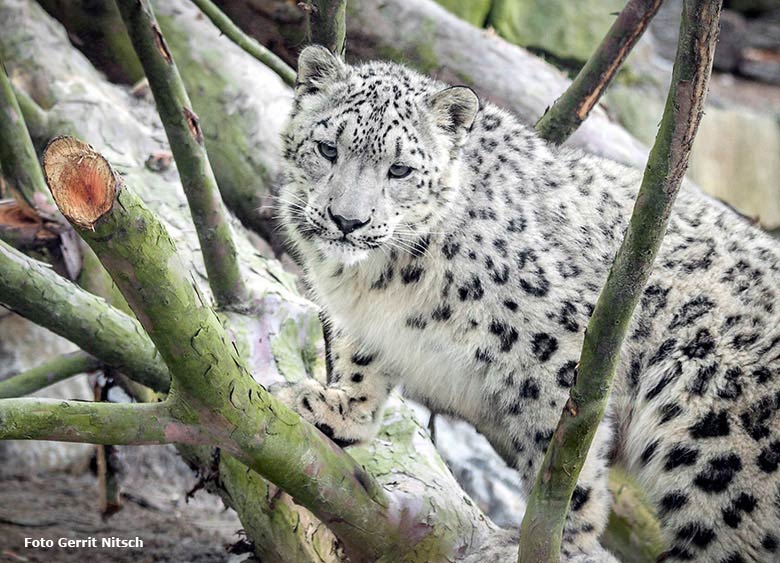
{"points": [[94, 423], [24, 229], [186, 139], [549, 500], [326, 24], [17, 154], [36, 292], [48, 373], [574, 105], [211, 384], [35, 117], [247, 43]]}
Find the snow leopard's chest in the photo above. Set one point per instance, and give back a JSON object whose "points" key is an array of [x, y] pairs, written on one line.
{"points": [[396, 310]]}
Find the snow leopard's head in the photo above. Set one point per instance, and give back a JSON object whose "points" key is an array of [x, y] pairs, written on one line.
{"points": [[371, 154]]}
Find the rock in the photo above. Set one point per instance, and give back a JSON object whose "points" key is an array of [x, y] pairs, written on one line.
{"points": [[495, 487], [760, 57], [475, 11], [736, 155], [484, 476], [567, 30], [736, 158], [764, 32], [761, 65], [730, 41], [753, 7]]}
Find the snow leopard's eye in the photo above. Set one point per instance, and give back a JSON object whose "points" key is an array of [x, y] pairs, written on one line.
{"points": [[399, 171], [327, 150]]}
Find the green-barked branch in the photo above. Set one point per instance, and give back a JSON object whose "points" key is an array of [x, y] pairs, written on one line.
{"points": [[247, 43], [548, 503], [35, 117], [93, 423], [184, 133], [211, 387], [20, 163], [575, 104], [48, 373], [326, 24], [434, 518], [38, 293]]}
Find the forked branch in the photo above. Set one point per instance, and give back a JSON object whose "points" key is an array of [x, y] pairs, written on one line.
{"points": [[548, 504], [213, 387], [36, 292]]}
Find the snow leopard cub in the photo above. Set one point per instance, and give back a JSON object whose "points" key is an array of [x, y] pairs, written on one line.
{"points": [[454, 251]]}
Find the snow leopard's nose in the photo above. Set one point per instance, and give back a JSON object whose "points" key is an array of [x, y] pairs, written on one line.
{"points": [[345, 225]]}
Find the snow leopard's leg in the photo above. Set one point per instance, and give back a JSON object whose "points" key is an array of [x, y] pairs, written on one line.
{"points": [[590, 505], [348, 408], [591, 500]]}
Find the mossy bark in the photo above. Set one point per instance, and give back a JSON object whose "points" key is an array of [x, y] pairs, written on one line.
{"points": [[182, 126], [38, 293], [548, 503], [246, 42], [92, 423], [213, 391], [17, 154], [48, 373], [239, 125], [326, 24], [105, 40], [284, 338]]}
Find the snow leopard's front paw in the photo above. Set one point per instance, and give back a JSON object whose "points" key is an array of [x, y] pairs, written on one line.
{"points": [[341, 417]]}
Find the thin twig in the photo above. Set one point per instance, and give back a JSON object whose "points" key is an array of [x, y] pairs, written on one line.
{"points": [[50, 372], [186, 139], [247, 43], [548, 503], [108, 464], [574, 105]]}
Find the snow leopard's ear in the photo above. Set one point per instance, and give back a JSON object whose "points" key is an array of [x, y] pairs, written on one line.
{"points": [[454, 110], [317, 68]]}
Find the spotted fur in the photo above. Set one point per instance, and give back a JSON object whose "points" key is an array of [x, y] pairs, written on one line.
{"points": [[472, 279]]}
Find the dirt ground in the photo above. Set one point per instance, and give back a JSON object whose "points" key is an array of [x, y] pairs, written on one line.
{"points": [[64, 505]]}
